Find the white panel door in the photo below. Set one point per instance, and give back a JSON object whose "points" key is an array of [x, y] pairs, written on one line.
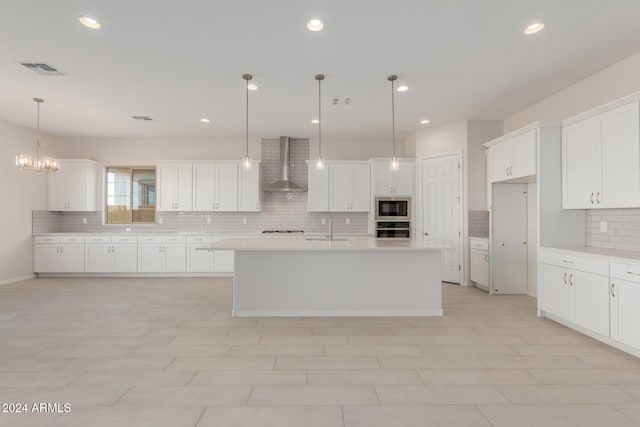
{"points": [[76, 176], [318, 195], [205, 193], [150, 259], [223, 261], [72, 258], [581, 168], [46, 259], [167, 186], [58, 190], [98, 258], [619, 130], [340, 188], [125, 258], [590, 301], [383, 184], [361, 188], [441, 210], [524, 154], [625, 316], [554, 290], [199, 261], [405, 179], [249, 186], [174, 258], [502, 161], [509, 257], [228, 187], [184, 186]]}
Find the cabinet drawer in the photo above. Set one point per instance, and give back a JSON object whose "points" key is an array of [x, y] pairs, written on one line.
{"points": [[149, 239], [199, 239], [97, 239], [174, 239], [574, 262], [124, 239], [480, 244], [48, 239], [630, 272]]}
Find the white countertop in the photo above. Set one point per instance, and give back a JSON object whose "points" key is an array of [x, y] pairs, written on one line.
{"points": [[600, 253], [302, 244]]}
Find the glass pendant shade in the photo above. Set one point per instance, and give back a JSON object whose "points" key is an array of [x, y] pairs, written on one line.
{"points": [[320, 163], [395, 163], [247, 164]]}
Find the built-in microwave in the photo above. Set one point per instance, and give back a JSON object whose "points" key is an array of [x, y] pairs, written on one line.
{"points": [[393, 208]]}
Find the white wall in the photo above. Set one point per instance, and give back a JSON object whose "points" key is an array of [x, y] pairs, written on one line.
{"points": [[614, 82], [479, 132], [22, 192]]}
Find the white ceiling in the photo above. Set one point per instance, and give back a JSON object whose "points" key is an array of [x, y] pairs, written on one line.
{"points": [[178, 61]]}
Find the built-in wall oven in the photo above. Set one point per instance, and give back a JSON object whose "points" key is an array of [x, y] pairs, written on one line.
{"points": [[393, 217]]}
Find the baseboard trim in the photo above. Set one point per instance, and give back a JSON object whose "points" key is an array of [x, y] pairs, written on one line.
{"points": [[336, 313], [17, 279], [133, 275]]}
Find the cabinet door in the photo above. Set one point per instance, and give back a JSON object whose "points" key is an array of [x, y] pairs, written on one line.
{"points": [[223, 261], [625, 316], [98, 258], [125, 258], [199, 261], [46, 258], [361, 190], [57, 190], [184, 186], [581, 168], [502, 161], [405, 179], [167, 193], [249, 186], [340, 188], [174, 258], [72, 258], [590, 301], [318, 195], [383, 182], [76, 176], [619, 130], [205, 187], [479, 267], [149, 259], [228, 187], [554, 290], [524, 155]]}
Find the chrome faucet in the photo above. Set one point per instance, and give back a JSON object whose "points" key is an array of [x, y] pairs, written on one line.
{"points": [[330, 227]]}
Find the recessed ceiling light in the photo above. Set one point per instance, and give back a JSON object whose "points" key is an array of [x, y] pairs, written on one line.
{"points": [[534, 28], [425, 122], [205, 120], [252, 87], [89, 22], [315, 121], [403, 88], [315, 25]]}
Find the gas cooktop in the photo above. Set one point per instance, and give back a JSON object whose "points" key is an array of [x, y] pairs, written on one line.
{"points": [[282, 231]]}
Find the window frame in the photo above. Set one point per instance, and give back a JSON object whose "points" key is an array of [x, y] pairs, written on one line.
{"points": [[105, 189]]}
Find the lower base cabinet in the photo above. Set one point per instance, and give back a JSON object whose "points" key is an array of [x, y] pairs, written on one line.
{"points": [[204, 261], [111, 257], [162, 258], [625, 312], [58, 258]]}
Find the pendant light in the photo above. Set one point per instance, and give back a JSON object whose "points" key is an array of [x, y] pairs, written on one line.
{"points": [[246, 161], [395, 163], [319, 159], [38, 164]]}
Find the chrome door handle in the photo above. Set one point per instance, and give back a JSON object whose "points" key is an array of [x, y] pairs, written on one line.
{"points": [[591, 198], [598, 197], [507, 171], [631, 272], [612, 286], [571, 277], [486, 258], [565, 278]]}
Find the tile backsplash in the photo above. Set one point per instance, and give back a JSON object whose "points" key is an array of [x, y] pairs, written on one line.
{"points": [[479, 224], [280, 211], [623, 229]]}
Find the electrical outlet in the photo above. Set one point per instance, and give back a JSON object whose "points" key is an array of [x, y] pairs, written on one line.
{"points": [[603, 226], [84, 219], [208, 220], [324, 221], [244, 221], [348, 221], [160, 221], [127, 229]]}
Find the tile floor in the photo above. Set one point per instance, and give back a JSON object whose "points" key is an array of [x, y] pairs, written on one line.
{"points": [[165, 352]]}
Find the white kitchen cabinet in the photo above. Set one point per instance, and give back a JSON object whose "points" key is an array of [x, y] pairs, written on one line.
{"points": [[111, 254], [175, 190], [514, 157], [391, 183], [249, 189], [58, 254], [578, 296], [205, 261], [624, 298], [601, 160], [166, 254], [479, 258], [349, 187], [73, 186], [215, 186], [318, 192]]}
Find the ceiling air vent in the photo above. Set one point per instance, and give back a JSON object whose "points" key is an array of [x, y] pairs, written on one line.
{"points": [[42, 68], [142, 118]]}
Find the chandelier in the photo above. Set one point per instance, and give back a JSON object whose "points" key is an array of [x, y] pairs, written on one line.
{"points": [[38, 163]]}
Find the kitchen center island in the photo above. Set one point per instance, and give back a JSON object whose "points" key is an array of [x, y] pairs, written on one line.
{"points": [[360, 276]]}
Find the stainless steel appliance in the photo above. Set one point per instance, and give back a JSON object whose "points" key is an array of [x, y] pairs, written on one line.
{"points": [[393, 229], [393, 208]]}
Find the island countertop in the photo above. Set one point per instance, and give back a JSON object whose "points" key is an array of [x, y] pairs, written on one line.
{"points": [[313, 244]]}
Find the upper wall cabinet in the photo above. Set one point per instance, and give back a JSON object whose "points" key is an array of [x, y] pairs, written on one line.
{"points": [[349, 187], [514, 157], [249, 188], [215, 186], [73, 186], [386, 182], [174, 186], [318, 194], [601, 160]]}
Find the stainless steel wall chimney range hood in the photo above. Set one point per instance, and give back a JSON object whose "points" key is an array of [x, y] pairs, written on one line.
{"points": [[284, 185]]}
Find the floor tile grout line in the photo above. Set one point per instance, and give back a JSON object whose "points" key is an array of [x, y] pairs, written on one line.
{"points": [[483, 415], [200, 417], [344, 420], [192, 377], [121, 396]]}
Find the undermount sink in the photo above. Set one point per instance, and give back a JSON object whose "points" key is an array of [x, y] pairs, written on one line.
{"points": [[326, 239]]}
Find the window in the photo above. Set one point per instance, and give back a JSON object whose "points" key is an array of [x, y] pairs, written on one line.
{"points": [[131, 195]]}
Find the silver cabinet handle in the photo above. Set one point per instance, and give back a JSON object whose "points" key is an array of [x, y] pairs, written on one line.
{"points": [[598, 197], [61, 249], [612, 286], [507, 171], [511, 171], [565, 278], [486, 258], [571, 279], [631, 272], [567, 261], [591, 198]]}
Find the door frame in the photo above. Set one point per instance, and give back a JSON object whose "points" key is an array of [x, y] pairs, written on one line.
{"points": [[463, 204]]}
